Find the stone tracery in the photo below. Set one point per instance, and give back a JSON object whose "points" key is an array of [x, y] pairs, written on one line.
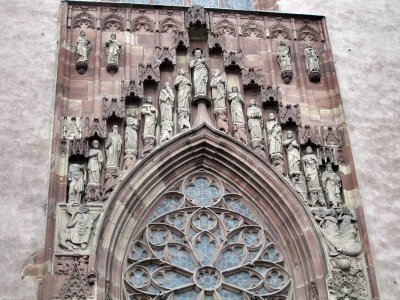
{"points": [[204, 244]]}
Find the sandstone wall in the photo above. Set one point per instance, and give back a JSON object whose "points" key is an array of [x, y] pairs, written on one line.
{"points": [[365, 42]]}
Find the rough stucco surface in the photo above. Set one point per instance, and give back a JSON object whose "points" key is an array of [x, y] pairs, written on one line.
{"points": [[365, 41], [29, 34]]}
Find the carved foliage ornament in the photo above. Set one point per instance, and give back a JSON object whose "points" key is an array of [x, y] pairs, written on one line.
{"points": [[170, 24], [216, 40], [112, 22], [271, 94], [280, 31], [197, 15], [232, 59], [200, 242], [143, 24], [307, 33], [181, 39], [289, 113], [253, 29], [225, 27], [84, 18]]}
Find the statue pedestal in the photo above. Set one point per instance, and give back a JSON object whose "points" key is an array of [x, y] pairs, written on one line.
{"points": [[81, 66], [287, 76], [202, 115], [314, 76], [112, 68]]}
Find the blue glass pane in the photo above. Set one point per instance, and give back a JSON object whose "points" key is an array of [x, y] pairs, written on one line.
{"points": [[238, 4], [243, 280], [167, 205], [206, 3], [238, 207], [229, 295], [202, 192], [187, 295], [136, 1], [169, 2]]}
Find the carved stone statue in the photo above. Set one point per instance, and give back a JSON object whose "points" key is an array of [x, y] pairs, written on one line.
{"points": [[200, 73], [222, 120], [184, 120], [76, 178], [150, 115], [293, 153], [79, 228], [113, 148], [94, 164], [299, 184], [274, 131], [311, 166], [331, 183], [112, 50], [255, 121], [285, 62], [236, 100], [131, 139], [218, 87], [82, 49], [167, 99], [312, 63], [184, 87]]}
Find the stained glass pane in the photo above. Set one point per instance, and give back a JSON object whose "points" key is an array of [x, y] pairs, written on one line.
{"points": [[206, 3], [237, 206], [171, 279], [136, 1], [238, 4], [244, 280], [229, 295], [202, 192], [169, 2], [206, 249]]}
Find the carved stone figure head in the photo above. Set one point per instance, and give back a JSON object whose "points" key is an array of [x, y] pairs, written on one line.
{"points": [[282, 43], [329, 167], [166, 84], [95, 144], [197, 53], [82, 33], [252, 102], [217, 73], [309, 150], [272, 116], [181, 72], [113, 36], [115, 128], [149, 100], [289, 134], [132, 113], [235, 89]]}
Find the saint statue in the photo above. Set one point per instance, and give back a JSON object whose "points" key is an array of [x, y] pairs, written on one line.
{"points": [[76, 178], [255, 121], [167, 99], [311, 166], [113, 148], [236, 100], [94, 164], [218, 86], [184, 88], [312, 62], [293, 153], [79, 228], [200, 73], [82, 48], [132, 126], [331, 183], [184, 121], [150, 115], [283, 56], [112, 50], [274, 131]]}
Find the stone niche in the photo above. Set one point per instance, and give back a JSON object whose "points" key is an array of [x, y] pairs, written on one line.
{"points": [[178, 128]]}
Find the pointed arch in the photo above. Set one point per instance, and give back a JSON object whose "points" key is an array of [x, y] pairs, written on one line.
{"points": [[280, 31], [112, 22], [271, 198], [307, 33], [170, 24], [225, 27], [143, 23], [84, 18], [253, 29]]}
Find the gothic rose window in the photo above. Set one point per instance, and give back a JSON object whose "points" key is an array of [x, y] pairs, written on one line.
{"points": [[204, 244]]}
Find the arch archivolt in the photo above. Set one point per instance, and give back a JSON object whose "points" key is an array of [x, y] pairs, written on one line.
{"points": [[279, 211]]}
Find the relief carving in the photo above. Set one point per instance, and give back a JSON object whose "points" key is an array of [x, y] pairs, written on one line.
{"points": [[166, 55], [149, 72], [84, 18], [97, 129], [289, 113], [110, 181], [82, 49], [131, 139], [167, 101], [271, 95], [280, 31], [181, 39], [253, 29], [197, 15], [331, 183], [72, 128], [225, 27], [312, 64], [234, 59], [184, 87], [311, 170], [113, 148], [78, 147], [132, 90], [284, 58], [169, 24], [112, 50], [150, 114], [112, 22], [200, 73], [239, 127], [307, 33], [76, 180], [79, 228], [253, 77], [310, 134], [216, 41], [114, 107], [300, 186], [143, 23]]}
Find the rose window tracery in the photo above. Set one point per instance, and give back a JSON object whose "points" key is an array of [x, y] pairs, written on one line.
{"points": [[204, 244]]}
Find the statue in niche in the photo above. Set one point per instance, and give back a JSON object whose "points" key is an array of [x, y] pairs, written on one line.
{"points": [[79, 228], [299, 184], [113, 148], [76, 178], [274, 131], [236, 100], [184, 87], [200, 73], [218, 87], [166, 131], [150, 115], [184, 120], [293, 153], [94, 164], [82, 49], [312, 63], [331, 183], [167, 99], [112, 50], [255, 121], [131, 139], [285, 62], [222, 120], [311, 166]]}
